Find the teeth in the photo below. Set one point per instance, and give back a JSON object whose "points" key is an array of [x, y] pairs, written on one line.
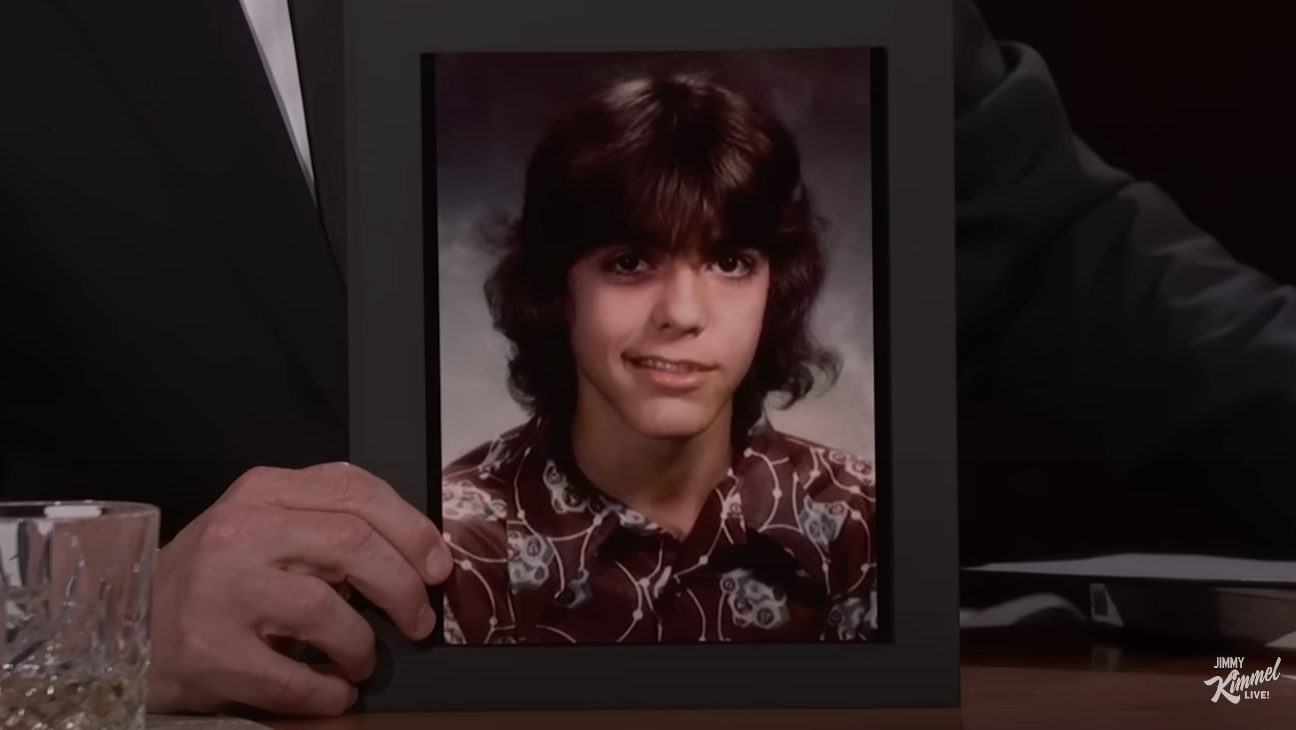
{"points": [[669, 367]]}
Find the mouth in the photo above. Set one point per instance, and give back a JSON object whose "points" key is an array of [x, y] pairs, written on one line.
{"points": [[664, 365]]}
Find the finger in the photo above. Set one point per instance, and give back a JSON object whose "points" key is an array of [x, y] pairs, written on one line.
{"points": [[346, 488], [337, 547], [257, 676], [308, 610]]}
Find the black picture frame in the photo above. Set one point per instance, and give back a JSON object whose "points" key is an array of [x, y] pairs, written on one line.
{"points": [[393, 407]]}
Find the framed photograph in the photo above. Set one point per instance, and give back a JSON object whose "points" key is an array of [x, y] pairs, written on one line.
{"points": [[652, 311]]}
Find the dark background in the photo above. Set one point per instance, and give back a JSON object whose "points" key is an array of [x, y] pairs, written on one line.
{"points": [[1194, 98]]}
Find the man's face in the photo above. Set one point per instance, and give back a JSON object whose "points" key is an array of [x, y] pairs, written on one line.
{"points": [[663, 341]]}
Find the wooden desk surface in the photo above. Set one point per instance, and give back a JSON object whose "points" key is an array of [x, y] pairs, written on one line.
{"points": [[1015, 678]]}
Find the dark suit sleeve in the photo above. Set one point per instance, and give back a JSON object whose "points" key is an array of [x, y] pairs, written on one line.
{"points": [[1088, 300]]}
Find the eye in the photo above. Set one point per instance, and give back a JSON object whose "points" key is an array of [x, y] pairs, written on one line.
{"points": [[734, 265], [626, 264]]}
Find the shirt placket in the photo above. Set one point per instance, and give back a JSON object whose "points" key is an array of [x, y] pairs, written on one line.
{"points": [[720, 526]]}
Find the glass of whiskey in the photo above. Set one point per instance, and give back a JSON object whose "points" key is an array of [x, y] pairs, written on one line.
{"points": [[75, 588]]}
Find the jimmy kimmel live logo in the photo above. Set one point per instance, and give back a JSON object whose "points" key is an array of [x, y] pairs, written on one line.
{"points": [[1236, 686]]}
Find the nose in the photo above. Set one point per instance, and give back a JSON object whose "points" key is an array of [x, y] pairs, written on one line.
{"points": [[681, 305]]}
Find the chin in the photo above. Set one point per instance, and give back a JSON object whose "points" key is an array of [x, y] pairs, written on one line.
{"points": [[671, 421]]}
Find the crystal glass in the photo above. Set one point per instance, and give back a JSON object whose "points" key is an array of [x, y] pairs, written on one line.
{"points": [[75, 582]]}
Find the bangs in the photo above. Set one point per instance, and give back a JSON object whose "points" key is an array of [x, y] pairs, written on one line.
{"points": [[672, 209], [670, 200]]}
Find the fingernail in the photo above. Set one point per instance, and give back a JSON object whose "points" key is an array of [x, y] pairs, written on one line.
{"points": [[439, 564], [427, 619]]}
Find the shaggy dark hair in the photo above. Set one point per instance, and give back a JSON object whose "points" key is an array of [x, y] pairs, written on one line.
{"points": [[678, 162]]}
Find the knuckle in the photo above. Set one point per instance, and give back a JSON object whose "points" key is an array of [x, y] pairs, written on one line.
{"points": [[194, 649], [352, 535], [347, 485], [286, 689], [357, 495], [223, 524], [255, 479], [334, 470], [355, 486], [312, 601]]}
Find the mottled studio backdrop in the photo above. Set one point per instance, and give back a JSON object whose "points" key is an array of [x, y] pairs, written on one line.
{"points": [[490, 112]]}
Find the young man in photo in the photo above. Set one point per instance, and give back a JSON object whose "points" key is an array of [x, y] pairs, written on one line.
{"points": [[657, 291]]}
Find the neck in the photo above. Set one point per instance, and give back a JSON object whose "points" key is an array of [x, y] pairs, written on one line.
{"points": [[666, 480]]}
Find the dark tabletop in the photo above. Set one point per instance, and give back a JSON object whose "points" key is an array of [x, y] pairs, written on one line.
{"points": [[1022, 677]]}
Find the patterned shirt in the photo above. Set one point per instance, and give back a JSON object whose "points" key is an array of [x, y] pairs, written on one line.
{"points": [[783, 550]]}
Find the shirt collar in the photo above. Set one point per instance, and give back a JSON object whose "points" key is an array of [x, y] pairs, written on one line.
{"points": [[565, 496]]}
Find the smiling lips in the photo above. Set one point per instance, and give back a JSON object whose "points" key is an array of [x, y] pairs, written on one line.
{"points": [[670, 374]]}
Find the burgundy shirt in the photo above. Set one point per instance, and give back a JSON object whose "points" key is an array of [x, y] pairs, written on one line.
{"points": [[782, 551]]}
